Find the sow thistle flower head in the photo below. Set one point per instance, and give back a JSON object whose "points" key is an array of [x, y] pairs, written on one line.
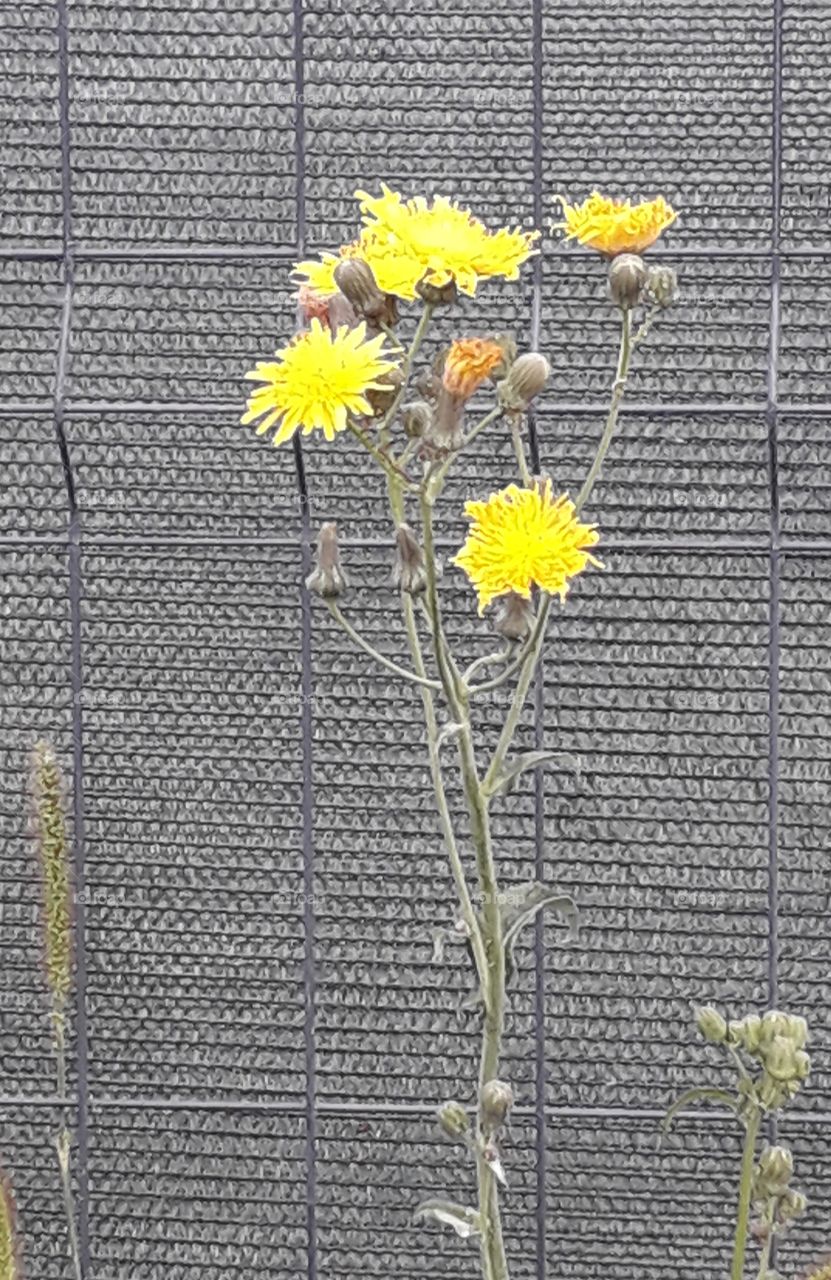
{"points": [[522, 538], [615, 226], [317, 381]]}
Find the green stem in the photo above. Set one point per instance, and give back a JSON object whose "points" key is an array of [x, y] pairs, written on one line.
{"points": [[767, 1249], [63, 1144], [387, 464], [745, 1188], [519, 450], [487, 660], [406, 366], [618, 388], [359, 640]]}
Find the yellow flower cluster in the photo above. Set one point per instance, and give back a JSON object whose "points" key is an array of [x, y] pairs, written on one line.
{"points": [[615, 226]]}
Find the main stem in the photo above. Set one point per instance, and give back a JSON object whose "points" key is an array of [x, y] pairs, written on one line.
{"points": [[745, 1189]]}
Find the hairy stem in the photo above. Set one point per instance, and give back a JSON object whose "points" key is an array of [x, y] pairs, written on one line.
{"points": [[413, 676], [618, 388], [745, 1188]]}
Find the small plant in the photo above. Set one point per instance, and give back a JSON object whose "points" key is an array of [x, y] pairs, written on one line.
{"points": [[771, 1063]]}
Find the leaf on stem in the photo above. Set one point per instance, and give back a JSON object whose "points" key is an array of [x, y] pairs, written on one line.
{"points": [[699, 1094], [524, 902], [506, 779], [463, 1220]]}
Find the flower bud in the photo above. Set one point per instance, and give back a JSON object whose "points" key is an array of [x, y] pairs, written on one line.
{"points": [[356, 282], [416, 417], [662, 286], [327, 579], [792, 1205], [340, 313], [409, 572], [514, 617], [383, 396], [526, 378], [453, 1119], [627, 277], [751, 1032], [495, 1102], [798, 1031], [711, 1024], [780, 1060], [774, 1024], [775, 1170], [441, 295]]}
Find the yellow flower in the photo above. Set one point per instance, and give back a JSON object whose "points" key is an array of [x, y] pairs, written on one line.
{"points": [[469, 362], [409, 241], [524, 537], [615, 226], [317, 381]]}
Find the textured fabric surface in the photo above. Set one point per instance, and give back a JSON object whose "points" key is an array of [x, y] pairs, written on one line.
{"points": [[268, 1028]]}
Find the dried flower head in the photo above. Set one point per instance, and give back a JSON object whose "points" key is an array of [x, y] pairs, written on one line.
{"points": [[514, 618], [49, 828], [615, 226], [11, 1266], [407, 242], [524, 537], [469, 362], [356, 282], [409, 570], [317, 381], [327, 579]]}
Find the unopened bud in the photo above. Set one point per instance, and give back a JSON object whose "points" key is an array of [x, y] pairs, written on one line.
{"points": [[627, 277], [798, 1031], [774, 1024], [356, 282], [327, 579], [453, 1119], [792, 1205], [514, 617], [442, 295], [416, 417], [383, 396], [662, 286], [526, 378], [775, 1170], [495, 1101], [711, 1024], [409, 571]]}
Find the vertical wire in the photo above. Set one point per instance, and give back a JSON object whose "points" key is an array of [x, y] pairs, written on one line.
{"points": [[540, 1135], [307, 684], [76, 592]]}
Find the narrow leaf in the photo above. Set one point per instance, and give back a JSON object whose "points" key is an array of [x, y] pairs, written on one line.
{"points": [[503, 783], [463, 1220], [696, 1095], [526, 900]]}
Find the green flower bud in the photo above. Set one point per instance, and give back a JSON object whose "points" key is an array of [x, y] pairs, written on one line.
{"points": [[780, 1059], [774, 1024], [752, 1032], [453, 1119], [775, 1171], [799, 1031], [526, 378], [711, 1024], [662, 286], [792, 1205], [627, 277]]}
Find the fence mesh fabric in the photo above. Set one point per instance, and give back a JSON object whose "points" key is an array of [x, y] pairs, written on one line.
{"points": [[263, 1031]]}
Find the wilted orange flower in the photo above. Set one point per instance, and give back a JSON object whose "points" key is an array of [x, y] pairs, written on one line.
{"points": [[468, 363], [615, 226]]}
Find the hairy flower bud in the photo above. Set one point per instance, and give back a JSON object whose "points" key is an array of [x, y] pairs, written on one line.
{"points": [[781, 1061], [627, 277], [356, 282], [774, 1024], [774, 1172], [409, 571], [792, 1205], [383, 396], [495, 1102], [416, 417], [662, 286], [514, 616], [711, 1024], [327, 579], [526, 378], [453, 1119]]}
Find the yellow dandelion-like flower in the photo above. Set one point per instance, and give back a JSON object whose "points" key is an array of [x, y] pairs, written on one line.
{"points": [[524, 537], [317, 381], [406, 242], [615, 226]]}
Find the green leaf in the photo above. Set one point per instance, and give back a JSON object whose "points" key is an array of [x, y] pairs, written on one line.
{"points": [[698, 1094], [503, 783], [463, 1220], [526, 900]]}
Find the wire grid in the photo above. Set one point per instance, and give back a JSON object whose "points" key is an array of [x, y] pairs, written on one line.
{"points": [[771, 544]]}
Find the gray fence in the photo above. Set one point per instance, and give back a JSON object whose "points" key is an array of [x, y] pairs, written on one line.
{"points": [[262, 1031]]}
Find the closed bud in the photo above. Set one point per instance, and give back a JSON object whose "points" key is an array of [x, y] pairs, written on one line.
{"points": [[526, 378], [356, 282], [711, 1024], [416, 417], [774, 1024], [514, 616], [441, 295], [495, 1102], [383, 396], [409, 572], [798, 1031], [751, 1032], [802, 1064], [792, 1205], [781, 1061], [662, 286], [327, 579], [775, 1170], [453, 1119], [627, 277]]}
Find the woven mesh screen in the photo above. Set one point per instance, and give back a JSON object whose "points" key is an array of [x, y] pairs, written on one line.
{"points": [[262, 1029]]}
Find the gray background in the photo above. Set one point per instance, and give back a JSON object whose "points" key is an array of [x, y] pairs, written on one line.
{"points": [[256, 1071]]}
